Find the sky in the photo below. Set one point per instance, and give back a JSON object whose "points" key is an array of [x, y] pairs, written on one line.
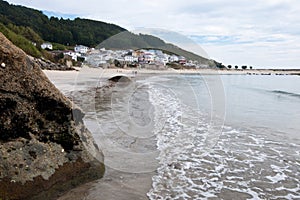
{"points": [[260, 33]]}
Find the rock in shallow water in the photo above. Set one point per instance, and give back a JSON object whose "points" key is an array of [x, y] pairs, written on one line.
{"points": [[44, 147]]}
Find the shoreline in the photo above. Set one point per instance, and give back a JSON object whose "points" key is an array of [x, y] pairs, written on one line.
{"points": [[108, 73], [117, 184]]}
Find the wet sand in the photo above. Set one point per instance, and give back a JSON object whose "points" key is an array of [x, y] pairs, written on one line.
{"points": [[115, 185], [103, 74], [118, 184], [120, 180]]}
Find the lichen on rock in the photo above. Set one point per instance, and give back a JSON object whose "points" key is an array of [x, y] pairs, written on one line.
{"points": [[44, 146]]}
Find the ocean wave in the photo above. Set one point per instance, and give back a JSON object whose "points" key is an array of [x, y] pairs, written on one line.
{"points": [[237, 164], [291, 94]]}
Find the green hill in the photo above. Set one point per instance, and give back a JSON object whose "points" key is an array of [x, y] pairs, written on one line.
{"points": [[62, 31], [20, 41], [127, 40], [25, 26]]}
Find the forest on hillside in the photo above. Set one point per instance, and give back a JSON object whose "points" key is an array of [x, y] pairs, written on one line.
{"points": [[29, 28], [62, 31]]}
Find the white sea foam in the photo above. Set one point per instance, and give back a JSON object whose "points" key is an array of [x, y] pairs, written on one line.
{"points": [[240, 164]]}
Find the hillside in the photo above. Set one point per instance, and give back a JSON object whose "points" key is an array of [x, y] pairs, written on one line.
{"points": [[62, 31], [128, 40], [20, 41], [25, 26]]}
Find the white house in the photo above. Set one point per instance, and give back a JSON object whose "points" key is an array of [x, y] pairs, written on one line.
{"points": [[182, 60], [47, 45], [73, 55], [148, 57], [173, 58], [81, 49], [135, 59], [162, 59], [129, 58]]}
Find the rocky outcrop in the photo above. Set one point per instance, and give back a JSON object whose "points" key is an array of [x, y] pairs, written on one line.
{"points": [[48, 65], [120, 78], [44, 147]]}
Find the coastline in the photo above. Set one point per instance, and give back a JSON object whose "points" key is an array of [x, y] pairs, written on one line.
{"points": [[116, 184], [108, 73]]}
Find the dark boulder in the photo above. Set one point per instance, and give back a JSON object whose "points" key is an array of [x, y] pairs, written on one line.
{"points": [[44, 147], [120, 79]]}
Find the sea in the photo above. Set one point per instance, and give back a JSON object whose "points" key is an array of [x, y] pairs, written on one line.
{"points": [[204, 136], [226, 137]]}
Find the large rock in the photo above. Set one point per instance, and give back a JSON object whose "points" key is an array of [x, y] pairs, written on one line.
{"points": [[45, 148], [48, 65]]}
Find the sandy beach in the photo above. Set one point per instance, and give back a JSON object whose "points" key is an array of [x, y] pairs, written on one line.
{"points": [[119, 184], [149, 100], [120, 180], [107, 73], [114, 185]]}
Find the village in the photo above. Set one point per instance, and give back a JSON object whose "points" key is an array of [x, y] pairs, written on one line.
{"points": [[140, 58]]}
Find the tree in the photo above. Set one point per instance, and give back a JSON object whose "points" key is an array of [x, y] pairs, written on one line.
{"points": [[244, 67], [236, 67], [219, 65], [251, 67], [229, 66], [35, 26]]}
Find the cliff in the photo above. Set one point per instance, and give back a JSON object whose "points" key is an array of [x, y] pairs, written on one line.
{"points": [[44, 147]]}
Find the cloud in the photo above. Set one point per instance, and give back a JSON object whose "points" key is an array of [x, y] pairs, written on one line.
{"points": [[256, 29]]}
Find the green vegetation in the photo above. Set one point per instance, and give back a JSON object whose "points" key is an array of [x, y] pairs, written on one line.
{"points": [[26, 27], [57, 46], [218, 65], [20, 41], [35, 26], [26, 32]]}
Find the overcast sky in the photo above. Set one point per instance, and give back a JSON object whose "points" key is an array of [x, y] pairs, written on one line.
{"points": [[262, 33]]}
